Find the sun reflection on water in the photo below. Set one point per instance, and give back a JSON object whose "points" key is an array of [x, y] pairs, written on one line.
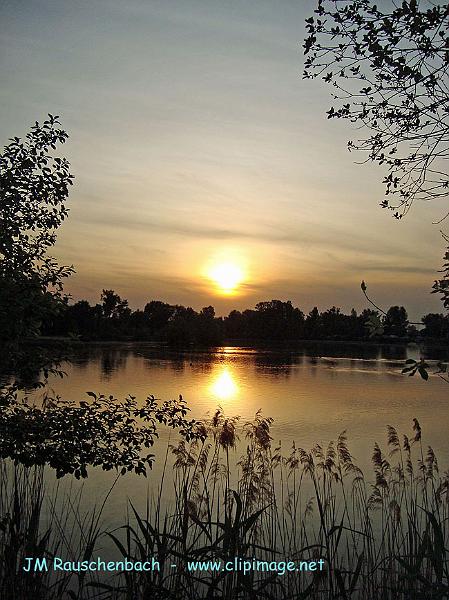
{"points": [[224, 385]]}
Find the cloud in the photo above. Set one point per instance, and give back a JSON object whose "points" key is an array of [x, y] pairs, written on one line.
{"points": [[399, 269], [299, 236]]}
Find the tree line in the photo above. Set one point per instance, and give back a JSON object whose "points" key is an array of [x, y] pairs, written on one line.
{"points": [[269, 321]]}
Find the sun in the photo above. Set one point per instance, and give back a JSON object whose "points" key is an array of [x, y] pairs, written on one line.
{"points": [[227, 277]]}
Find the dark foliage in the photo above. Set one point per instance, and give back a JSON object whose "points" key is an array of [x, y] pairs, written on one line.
{"points": [[102, 431], [396, 322], [382, 534], [67, 436], [270, 321], [388, 64], [441, 286], [34, 187]]}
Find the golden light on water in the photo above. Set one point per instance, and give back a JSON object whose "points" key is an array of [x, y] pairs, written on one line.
{"points": [[227, 277], [224, 386]]}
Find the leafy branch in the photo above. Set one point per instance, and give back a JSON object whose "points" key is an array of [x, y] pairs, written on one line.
{"points": [[103, 432]]}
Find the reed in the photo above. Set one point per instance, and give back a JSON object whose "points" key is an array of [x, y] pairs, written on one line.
{"points": [[382, 535], [42, 520]]}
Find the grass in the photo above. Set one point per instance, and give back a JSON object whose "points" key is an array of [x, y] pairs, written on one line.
{"points": [[382, 536]]}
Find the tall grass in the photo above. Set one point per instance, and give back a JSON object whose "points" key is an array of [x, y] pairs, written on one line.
{"points": [[382, 536], [42, 521]]}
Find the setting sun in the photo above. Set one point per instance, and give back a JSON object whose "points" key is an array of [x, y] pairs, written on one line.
{"points": [[227, 277]]}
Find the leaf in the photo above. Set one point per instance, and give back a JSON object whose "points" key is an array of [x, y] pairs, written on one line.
{"points": [[341, 584], [356, 574], [424, 374]]}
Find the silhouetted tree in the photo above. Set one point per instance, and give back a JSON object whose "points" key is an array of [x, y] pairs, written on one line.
{"points": [[113, 306], [370, 323], [314, 325], [333, 322], [83, 320], [251, 324], [388, 64], [158, 314], [138, 325], [80, 318], [209, 330], [182, 326], [441, 286], [278, 320], [34, 187], [234, 325], [270, 321], [208, 313], [437, 326], [65, 435], [355, 325], [396, 321]]}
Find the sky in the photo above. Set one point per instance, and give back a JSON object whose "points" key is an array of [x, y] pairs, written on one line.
{"points": [[194, 141]]}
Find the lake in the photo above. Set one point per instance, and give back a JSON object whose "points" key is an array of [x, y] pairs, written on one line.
{"points": [[313, 391]]}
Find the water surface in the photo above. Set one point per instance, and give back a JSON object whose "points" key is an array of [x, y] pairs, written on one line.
{"points": [[313, 392]]}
